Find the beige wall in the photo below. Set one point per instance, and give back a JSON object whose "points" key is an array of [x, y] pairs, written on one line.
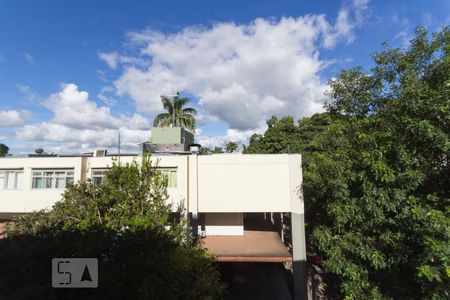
{"points": [[244, 183], [27, 199], [224, 183]]}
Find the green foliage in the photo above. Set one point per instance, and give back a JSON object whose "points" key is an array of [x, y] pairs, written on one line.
{"points": [[176, 115], [130, 195], [122, 222], [280, 137], [204, 151], [230, 147], [217, 150], [3, 150], [377, 173]]}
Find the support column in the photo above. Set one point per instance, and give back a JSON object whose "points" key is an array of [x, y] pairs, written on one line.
{"points": [[299, 256], [298, 228], [193, 192]]}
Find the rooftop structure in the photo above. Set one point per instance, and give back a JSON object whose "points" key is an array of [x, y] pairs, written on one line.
{"points": [[168, 139]]}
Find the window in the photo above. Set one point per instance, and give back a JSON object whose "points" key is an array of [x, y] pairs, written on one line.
{"points": [[171, 176], [97, 175], [52, 179], [11, 179]]}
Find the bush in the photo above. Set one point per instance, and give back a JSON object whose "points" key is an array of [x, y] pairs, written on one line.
{"points": [[123, 222]]}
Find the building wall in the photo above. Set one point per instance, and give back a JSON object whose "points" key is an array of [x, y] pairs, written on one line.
{"points": [[27, 199], [223, 186], [244, 183], [224, 224]]}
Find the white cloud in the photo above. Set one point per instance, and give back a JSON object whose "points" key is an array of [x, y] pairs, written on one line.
{"points": [[406, 33], [28, 57], [79, 124], [360, 4], [13, 118], [101, 75], [350, 16], [111, 59], [105, 96], [241, 73], [82, 139], [233, 135], [203, 118], [72, 107], [404, 37], [26, 90]]}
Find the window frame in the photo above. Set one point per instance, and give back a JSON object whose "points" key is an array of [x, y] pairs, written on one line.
{"points": [[5, 179], [103, 170], [170, 183], [54, 178]]}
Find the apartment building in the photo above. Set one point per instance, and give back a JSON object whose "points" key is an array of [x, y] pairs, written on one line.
{"points": [[234, 201]]}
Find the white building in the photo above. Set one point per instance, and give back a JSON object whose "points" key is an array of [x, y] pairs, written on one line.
{"points": [[224, 195]]}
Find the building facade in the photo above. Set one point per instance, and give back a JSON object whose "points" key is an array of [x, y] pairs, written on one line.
{"points": [[222, 194]]}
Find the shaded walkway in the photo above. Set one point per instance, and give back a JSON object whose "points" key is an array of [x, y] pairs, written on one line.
{"points": [[260, 243]]}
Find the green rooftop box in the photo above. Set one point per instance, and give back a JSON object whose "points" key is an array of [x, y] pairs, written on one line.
{"points": [[172, 136]]}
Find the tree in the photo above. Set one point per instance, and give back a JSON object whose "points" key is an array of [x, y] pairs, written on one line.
{"points": [[392, 206], [230, 147], [3, 150], [176, 115], [280, 137], [376, 173], [127, 224], [217, 150], [204, 151]]}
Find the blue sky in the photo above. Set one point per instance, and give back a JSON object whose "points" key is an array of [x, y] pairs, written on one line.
{"points": [[228, 56]]}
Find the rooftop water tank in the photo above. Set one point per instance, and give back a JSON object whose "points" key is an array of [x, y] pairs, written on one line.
{"points": [[171, 139]]}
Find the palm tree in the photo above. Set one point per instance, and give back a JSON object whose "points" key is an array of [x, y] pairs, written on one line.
{"points": [[176, 115], [231, 147]]}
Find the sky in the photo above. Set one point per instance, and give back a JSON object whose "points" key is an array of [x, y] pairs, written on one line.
{"points": [[73, 74]]}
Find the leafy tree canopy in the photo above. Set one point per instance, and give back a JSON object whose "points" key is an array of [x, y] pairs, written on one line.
{"points": [[204, 151], [207, 150], [377, 173], [217, 150], [124, 223], [3, 150]]}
